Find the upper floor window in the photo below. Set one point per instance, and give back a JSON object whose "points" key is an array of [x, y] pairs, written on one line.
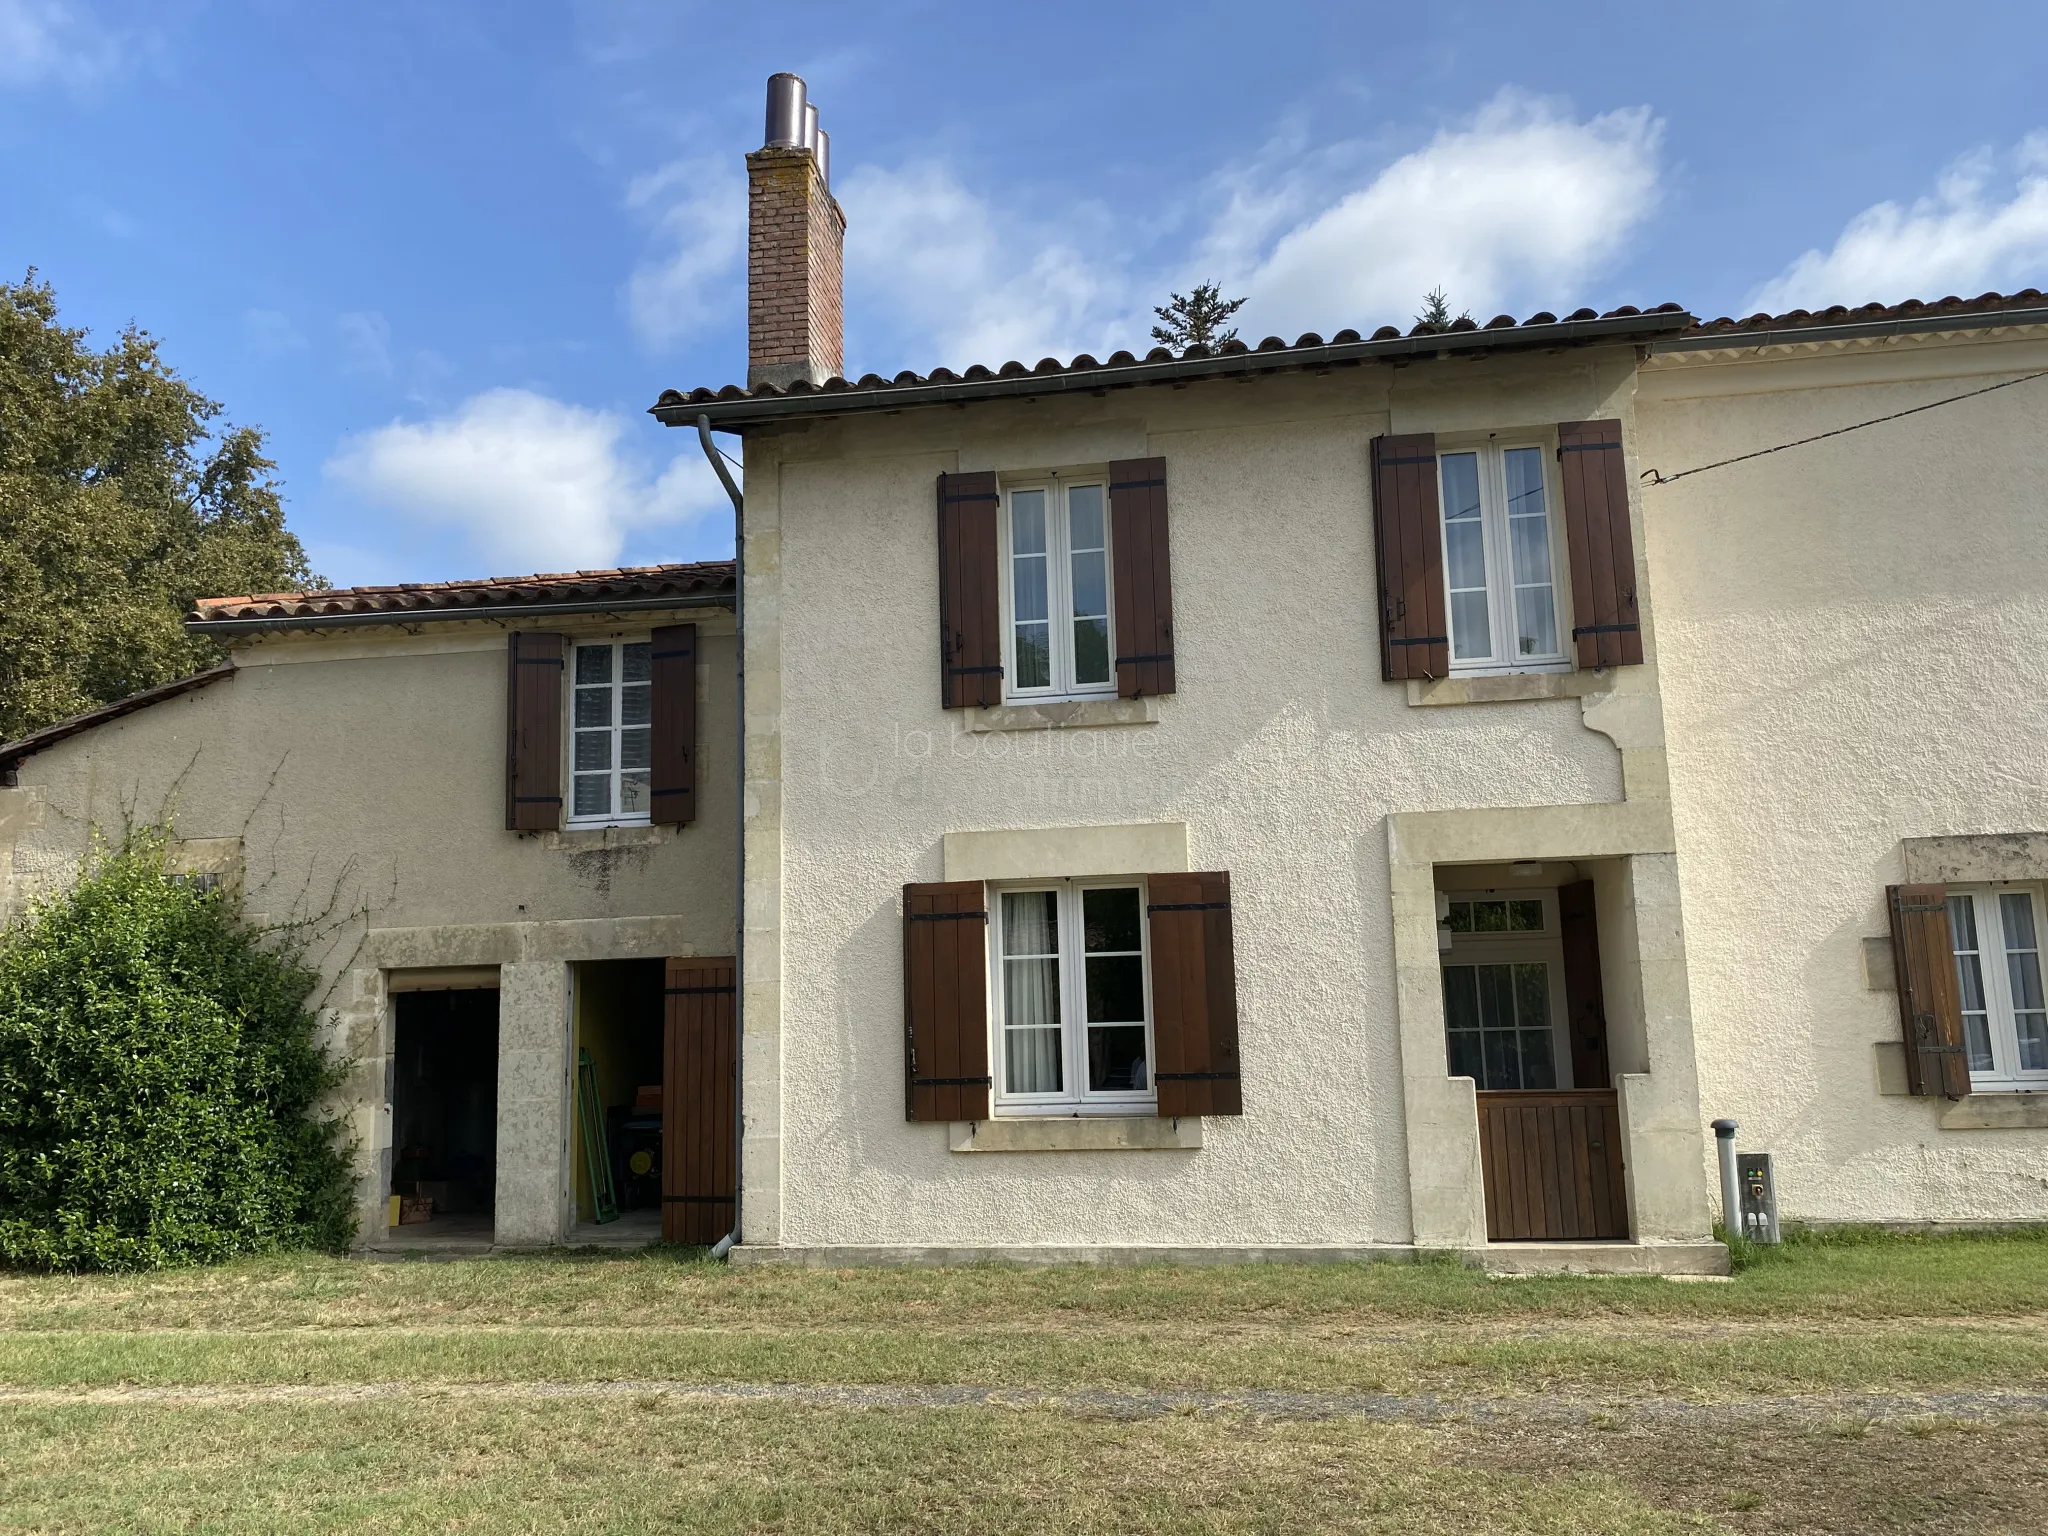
{"points": [[1072, 1015], [1500, 560], [1996, 935], [611, 714], [1057, 591]]}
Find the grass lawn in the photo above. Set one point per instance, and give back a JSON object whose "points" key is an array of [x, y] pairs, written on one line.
{"points": [[1854, 1385]]}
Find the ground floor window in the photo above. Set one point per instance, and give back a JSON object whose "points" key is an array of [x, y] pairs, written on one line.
{"points": [[1996, 934], [1072, 1006], [1504, 990]]}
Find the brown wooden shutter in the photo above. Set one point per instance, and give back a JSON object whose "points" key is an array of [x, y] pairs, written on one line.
{"points": [[1584, 1000], [699, 1173], [970, 612], [1930, 1012], [673, 773], [533, 732], [945, 1001], [1414, 638], [1194, 995], [1143, 574], [1606, 628]]}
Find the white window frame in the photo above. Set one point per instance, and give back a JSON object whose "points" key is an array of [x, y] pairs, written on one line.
{"points": [[1491, 452], [614, 817], [2006, 1074], [1508, 948], [1059, 588], [1075, 1098]]}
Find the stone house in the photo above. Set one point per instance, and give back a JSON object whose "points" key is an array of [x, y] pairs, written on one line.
{"points": [[1322, 798]]}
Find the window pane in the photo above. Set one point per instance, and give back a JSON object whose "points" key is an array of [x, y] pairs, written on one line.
{"points": [[1538, 1069], [1034, 656], [1503, 1062], [593, 706], [1091, 650], [1461, 998], [1116, 989], [1465, 555], [1471, 632], [1962, 927], [1109, 921], [1525, 504], [1030, 923], [1496, 996], [1525, 916], [636, 704], [1489, 917], [1532, 995], [1466, 1060], [634, 746], [1460, 920], [1084, 517], [1027, 593], [593, 750], [1116, 1059], [2023, 972], [1091, 584], [593, 794], [593, 663], [1027, 522], [1535, 622], [639, 659], [1460, 473], [633, 796], [1031, 1060]]}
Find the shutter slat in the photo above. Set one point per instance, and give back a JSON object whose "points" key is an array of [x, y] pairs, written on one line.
{"points": [[970, 610], [1414, 640], [1194, 995], [1143, 577], [945, 1001], [699, 1109], [533, 731], [1606, 623], [673, 767], [1930, 1008]]}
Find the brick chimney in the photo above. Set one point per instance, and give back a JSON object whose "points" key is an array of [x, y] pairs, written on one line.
{"points": [[796, 328]]}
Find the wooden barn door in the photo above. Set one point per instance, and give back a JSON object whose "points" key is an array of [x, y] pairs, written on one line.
{"points": [[699, 1171]]}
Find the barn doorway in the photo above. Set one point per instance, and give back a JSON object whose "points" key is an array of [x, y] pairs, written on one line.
{"points": [[619, 1094], [444, 1115], [1525, 1018]]}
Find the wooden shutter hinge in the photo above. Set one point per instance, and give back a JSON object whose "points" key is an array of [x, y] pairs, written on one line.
{"points": [[1604, 629], [694, 991], [952, 1082], [1194, 1077], [1134, 485], [1189, 906], [943, 917]]}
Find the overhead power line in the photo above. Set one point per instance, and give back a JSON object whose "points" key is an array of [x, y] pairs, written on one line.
{"points": [[1657, 477]]}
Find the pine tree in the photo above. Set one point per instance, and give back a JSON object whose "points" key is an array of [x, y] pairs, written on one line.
{"points": [[1436, 312], [1196, 319]]}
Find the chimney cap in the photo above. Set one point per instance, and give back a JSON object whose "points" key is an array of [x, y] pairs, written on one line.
{"points": [[789, 113]]}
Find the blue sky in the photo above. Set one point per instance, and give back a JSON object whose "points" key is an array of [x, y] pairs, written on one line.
{"points": [[447, 253]]}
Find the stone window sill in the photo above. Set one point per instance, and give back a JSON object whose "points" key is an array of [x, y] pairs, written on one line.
{"points": [[626, 835], [1997, 1112], [1067, 714], [1078, 1133], [1509, 687]]}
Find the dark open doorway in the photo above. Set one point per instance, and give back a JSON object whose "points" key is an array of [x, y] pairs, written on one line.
{"points": [[444, 1109], [618, 1097]]}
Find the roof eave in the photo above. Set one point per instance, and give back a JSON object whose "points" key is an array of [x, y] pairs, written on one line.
{"points": [[224, 628], [750, 411], [1853, 330], [12, 752]]}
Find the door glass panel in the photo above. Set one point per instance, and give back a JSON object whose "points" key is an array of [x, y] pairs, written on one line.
{"points": [[2023, 974], [1465, 557], [1962, 927], [1497, 1024], [1031, 992]]}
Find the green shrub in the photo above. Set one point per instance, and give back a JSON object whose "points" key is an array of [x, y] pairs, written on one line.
{"points": [[159, 1077]]}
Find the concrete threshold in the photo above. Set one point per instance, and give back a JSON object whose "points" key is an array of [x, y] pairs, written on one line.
{"points": [[1704, 1257]]}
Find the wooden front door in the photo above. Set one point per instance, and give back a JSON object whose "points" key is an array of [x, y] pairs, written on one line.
{"points": [[699, 1166], [1552, 1165]]}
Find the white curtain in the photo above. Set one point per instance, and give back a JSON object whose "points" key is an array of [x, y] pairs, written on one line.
{"points": [[1031, 992]]}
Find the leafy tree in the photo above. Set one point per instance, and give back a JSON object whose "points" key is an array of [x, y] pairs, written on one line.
{"points": [[159, 1074], [1436, 312], [117, 510], [1192, 318]]}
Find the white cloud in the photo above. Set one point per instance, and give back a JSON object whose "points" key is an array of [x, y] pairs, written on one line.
{"points": [[535, 484], [44, 40], [1518, 209], [698, 212], [1979, 231]]}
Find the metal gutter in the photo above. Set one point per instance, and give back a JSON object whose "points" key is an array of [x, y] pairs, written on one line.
{"points": [[1854, 330], [753, 410], [223, 627]]}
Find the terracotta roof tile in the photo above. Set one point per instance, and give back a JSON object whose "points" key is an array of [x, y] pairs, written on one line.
{"points": [[1988, 304], [444, 597]]}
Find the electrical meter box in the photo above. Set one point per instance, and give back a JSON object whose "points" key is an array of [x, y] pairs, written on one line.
{"points": [[1759, 1196]]}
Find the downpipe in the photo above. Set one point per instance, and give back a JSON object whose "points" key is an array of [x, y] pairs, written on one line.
{"points": [[722, 1249]]}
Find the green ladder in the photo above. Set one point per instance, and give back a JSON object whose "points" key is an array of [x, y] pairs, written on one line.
{"points": [[604, 1202]]}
